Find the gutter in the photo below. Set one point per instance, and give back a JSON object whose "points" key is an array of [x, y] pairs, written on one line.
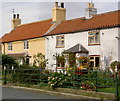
{"points": [[108, 27]]}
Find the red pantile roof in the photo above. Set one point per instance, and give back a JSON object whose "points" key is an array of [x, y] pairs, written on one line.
{"points": [[4, 37], [27, 31], [38, 29], [98, 21]]}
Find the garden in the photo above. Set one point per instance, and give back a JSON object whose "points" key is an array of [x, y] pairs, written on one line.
{"points": [[80, 78]]}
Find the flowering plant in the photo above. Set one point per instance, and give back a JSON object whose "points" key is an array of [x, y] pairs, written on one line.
{"points": [[83, 61], [58, 80], [87, 85]]}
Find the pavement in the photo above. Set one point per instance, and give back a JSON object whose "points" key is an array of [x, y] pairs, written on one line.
{"points": [[12, 93], [16, 93], [0, 77], [28, 93]]}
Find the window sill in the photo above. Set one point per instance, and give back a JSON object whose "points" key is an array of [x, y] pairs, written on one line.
{"points": [[94, 44], [59, 46]]}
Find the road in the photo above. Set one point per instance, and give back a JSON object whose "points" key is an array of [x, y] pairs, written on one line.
{"points": [[0, 76], [12, 93]]}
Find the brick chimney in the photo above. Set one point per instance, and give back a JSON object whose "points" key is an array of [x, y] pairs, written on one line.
{"points": [[16, 21], [58, 12], [90, 11]]}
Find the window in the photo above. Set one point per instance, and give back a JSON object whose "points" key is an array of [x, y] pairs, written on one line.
{"points": [[60, 41], [94, 61], [26, 44], [93, 38], [10, 46]]}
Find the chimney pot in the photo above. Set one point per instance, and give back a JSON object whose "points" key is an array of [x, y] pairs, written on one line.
{"points": [[88, 5], [17, 16], [56, 4], [62, 5], [92, 5], [14, 16]]}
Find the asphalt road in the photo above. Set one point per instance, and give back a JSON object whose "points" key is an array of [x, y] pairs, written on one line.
{"points": [[12, 93]]}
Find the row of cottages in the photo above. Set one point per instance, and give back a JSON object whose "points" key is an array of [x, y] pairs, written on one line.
{"points": [[95, 36]]}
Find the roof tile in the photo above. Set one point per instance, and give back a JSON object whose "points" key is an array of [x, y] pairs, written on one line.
{"points": [[105, 20], [27, 31]]}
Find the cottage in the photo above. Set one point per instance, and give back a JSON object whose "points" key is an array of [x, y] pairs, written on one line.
{"points": [[95, 36], [25, 40]]}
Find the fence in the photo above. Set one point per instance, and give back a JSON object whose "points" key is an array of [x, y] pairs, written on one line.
{"points": [[99, 81]]}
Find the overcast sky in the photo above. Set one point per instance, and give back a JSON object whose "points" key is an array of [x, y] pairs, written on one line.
{"points": [[36, 10]]}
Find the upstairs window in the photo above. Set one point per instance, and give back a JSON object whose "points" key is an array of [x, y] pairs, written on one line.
{"points": [[10, 46], [26, 44], [94, 38], [60, 41]]}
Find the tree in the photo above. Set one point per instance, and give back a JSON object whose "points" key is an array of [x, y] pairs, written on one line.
{"points": [[39, 60], [60, 60], [115, 65], [8, 61]]}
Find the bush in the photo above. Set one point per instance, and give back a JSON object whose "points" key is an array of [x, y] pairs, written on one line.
{"points": [[115, 64], [8, 61], [59, 80], [87, 85], [29, 75], [26, 75], [105, 79], [39, 60]]}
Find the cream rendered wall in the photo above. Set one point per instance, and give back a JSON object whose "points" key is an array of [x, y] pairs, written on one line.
{"points": [[36, 45]]}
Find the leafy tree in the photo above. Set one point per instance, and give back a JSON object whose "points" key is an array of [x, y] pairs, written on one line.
{"points": [[39, 60], [115, 64], [72, 59], [8, 61], [60, 59]]}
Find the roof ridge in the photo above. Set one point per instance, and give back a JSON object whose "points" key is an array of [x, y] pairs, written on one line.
{"points": [[116, 11], [34, 22]]}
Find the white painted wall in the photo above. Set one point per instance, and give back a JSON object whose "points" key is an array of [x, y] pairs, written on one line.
{"points": [[108, 45], [119, 44]]}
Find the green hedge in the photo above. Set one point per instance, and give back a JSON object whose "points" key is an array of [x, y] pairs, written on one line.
{"points": [[29, 75]]}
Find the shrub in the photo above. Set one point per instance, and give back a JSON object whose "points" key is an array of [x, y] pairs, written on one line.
{"points": [[8, 61], [29, 75], [59, 80], [115, 64], [39, 60], [26, 75], [84, 61], [105, 79], [60, 60], [87, 85]]}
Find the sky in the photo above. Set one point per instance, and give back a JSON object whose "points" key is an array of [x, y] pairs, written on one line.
{"points": [[36, 10]]}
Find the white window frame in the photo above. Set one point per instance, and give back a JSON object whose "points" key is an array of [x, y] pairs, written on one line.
{"points": [[10, 46], [26, 44], [60, 41], [96, 40]]}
